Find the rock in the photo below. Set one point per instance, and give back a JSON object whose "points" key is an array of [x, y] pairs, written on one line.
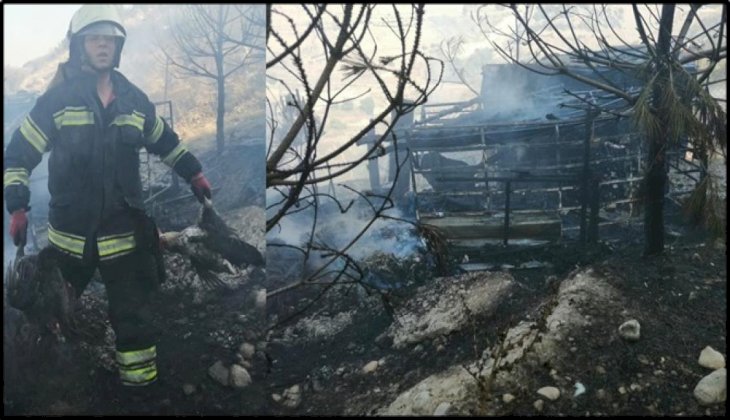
{"points": [[696, 257], [538, 404], [579, 389], [508, 398], [239, 377], [293, 397], [454, 384], [601, 370], [260, 299], [635, 387], [442, 409], [622, 390], [370, 367], [444, 311], [276, 397], [630, 330], [219, 373], [247, 350], [188, 389], [711, 358], [712, 389], [549, 392], [317, 385]]}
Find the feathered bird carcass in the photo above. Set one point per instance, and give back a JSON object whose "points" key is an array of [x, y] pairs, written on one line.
{"points": [[37, 288], [212, 247]]}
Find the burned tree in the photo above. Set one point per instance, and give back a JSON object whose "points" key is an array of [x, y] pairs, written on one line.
{"points": [[672, 67], [214, 42], [320, 57]]}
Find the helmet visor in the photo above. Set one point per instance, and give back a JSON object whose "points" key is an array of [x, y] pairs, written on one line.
{"points": [[101, 28]]}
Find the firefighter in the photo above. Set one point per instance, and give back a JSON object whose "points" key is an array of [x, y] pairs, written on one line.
{"points": [[94, 121]]}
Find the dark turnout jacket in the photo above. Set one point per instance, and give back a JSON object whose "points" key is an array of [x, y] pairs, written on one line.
{"points": [[93, 167]]}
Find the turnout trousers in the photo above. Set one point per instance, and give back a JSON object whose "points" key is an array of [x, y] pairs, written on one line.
{"points": [[130, 282]]}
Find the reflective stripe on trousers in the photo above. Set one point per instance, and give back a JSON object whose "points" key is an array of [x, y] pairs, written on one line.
{"points": [[137, 367]]}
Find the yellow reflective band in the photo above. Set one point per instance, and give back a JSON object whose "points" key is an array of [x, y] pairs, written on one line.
{"points": [[156, 131], [34, 135], [70, 243], [70, 108], [128, 358], [73, 116], [135, 120], [171, 158], [117, 244], [15, 176], [141, 376]]}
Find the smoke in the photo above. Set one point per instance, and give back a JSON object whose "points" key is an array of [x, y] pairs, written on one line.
{"points": [[336, 229]]}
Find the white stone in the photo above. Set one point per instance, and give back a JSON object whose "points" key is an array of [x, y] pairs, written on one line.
{"points": [[630, 330], [370, 367], [508, 398], [189, 389], [247, 350], [219, 373], [622, 390], [712, 389], [293, 396], [260, 299], [539, 404], [549, 392], [276, 397], [239, 377], [711, 358], [442, 409]]}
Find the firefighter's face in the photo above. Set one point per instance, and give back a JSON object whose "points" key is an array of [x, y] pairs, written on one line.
{"points": [[100, 51]]}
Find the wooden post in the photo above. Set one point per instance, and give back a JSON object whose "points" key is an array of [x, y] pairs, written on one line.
{"points": [[595, 201], [586, 173], [507, 193], [373, 168]]}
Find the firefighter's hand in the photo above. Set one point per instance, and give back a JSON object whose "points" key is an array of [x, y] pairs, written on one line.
{"points": [[18, 226], [200, 186]]}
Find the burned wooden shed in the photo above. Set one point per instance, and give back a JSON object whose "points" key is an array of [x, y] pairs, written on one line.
{"points": [[535, 158]]}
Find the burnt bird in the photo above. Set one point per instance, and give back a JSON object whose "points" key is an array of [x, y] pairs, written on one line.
{"points": [[223, 240], [212, 247], [37, 288]]}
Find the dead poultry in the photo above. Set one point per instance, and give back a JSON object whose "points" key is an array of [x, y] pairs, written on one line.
{"points": [[37, 288], [212, 247]]}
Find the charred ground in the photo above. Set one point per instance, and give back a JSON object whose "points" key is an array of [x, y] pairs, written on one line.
{"points": [[678, 297]]}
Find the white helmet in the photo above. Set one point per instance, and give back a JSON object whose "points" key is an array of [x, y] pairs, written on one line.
{"points": [[96, 19]]}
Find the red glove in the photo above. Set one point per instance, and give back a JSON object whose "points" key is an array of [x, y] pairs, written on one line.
{"points": [[18, 226], [200, 186]]}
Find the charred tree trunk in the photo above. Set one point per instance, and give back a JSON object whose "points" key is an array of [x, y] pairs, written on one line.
{"points": [[220, 112], [656, 177], [221, 83]]}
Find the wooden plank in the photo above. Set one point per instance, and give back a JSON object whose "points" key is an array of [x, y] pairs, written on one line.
{"points": [[477, 227]]}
